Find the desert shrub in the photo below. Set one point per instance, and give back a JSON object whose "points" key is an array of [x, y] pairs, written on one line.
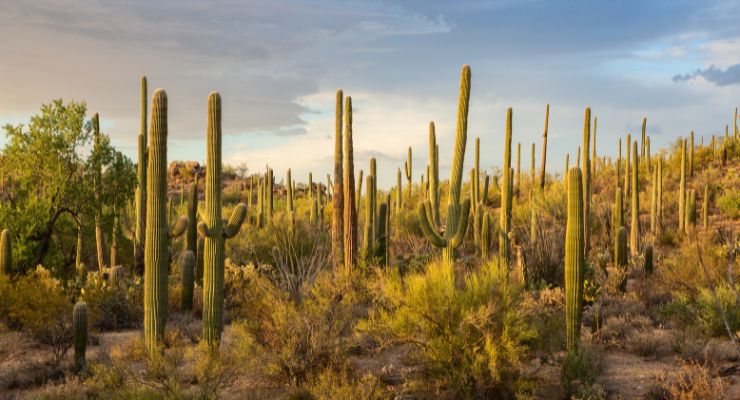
{"points": [[545, 311], [113, 306], [469, 336], [692, 381], [37, 304], [729, 203], [582, 366], [298, 342], [650, 342], [705, 312]]}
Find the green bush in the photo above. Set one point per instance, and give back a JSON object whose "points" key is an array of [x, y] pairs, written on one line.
{"points": [[113, 306], [468, 335], [729, 203]]}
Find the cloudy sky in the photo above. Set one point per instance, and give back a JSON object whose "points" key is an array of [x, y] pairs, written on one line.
{"points": [[277, 65]]}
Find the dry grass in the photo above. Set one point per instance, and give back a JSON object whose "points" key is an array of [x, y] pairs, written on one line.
{"points": [[692, 382]]}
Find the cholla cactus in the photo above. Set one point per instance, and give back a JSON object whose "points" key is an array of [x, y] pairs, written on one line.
{"points": [[79, 322], [213, 228], [574, 260], [457, 212]]}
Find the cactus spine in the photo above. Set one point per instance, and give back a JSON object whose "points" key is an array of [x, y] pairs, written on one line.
{"points": [[457, 212], [704, 208], [79, 321], [544, 149], [635, 225], [187, 275], [506, 200], [682, 189], [586, 171], [6, 253], [350, 210], [156, 252], [213, 228], [574, 261]]}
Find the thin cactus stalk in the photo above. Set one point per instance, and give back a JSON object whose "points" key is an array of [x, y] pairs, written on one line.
{"points": [[705, 208], [373, 191], [620, 255], [382, 237], [313, 216], [477, 221], [618, 211], [369, 230], [682, 190], [457, 212], [485, 236], [586, 171], [289, 199], [187, 279], [690, 211], [578, 156], [544, 149], [654, 202], [399, 190], [79, 322], [213, 229], [141, 168], [618, 165], [97, 188], [567, 167], [310, 187], [409, 173], [574, 260], [691, 153], [6, 253], [191, 237], [475, 181], [518, 185], [506, 200], [648, 266], [433, 175], [531, 171], [627, 165], [648, 160], [635, 224], [659, 208], [199, 260], [642, 142], [270, 195], [350, 210], [360, 180], [593, 151], [337, 223]]}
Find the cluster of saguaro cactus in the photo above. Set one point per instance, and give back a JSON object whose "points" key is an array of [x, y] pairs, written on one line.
{"points": [[213, 228], [6, 253], [140, 228], [457, 211], [574, 259], [187, 275], [79, 323]]}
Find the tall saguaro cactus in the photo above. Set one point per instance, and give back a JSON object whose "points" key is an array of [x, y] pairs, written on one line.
{"points": [[97, 187], [627, 146], [618, 212], [682, 189], [506, 199], [6, 253], [574, 260], [369, 229], [289, 199], [586, 171], [691, 153], [457, 212], [141, 168], [544, 148], [350, 210], [433, 175], [337, 223], [213, 228], [635, 224]]}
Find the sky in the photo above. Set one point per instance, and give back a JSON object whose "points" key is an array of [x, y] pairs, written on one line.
{"points": [[277, 65]]}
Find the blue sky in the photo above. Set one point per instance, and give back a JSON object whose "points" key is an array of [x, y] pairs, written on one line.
{"points": [[277, 65]]}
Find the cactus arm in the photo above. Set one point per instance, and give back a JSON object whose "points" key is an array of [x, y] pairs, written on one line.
{"points": [[235, 221], [426, 227], [462, 224], [204, 230], [180, 226]]}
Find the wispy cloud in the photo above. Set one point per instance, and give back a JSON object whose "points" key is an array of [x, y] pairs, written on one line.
{"points": [[718, 76]]}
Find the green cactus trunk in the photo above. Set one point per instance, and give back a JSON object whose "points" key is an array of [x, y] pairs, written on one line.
{"points": [[6, 253], [642, 142], [648, 160], [290, 210], [79, 322], [399, 191], [518, 183], [141, 169], [187, 278], [191, 238], [434, 175], [310, 188], [409, 173], [690, 211], [485, 236], [586, 171], [618, 211], [156, 251], [313, 217], [635, 224], [574, 260], [627, 172], [270, 196], [368, 234], [506, 200], [691, 153], [358, 197], [350, 210], [544, 149], [383, 236], [654, 203], [475, 179], [199, 261], [213, 229], [457, 212]]}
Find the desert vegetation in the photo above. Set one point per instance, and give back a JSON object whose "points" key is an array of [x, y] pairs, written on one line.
{"points": [[148, 278]]}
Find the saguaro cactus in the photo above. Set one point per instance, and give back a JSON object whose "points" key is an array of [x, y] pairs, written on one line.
{"points": [[691, 153], [485, 236], [191, 238], [407, 166], [704, 208], [433, 175], [97, 188], [544, 149], [289, 199], [506, 200], [518, 176], [618, 211], [141, 168], [369, 231], [574, 261], [382, 235], [586, 171], [627, 146], [457, 212], [593, 151], [682, 189], [213, 228], [6, 253], [654, 202], [690, 211], [350, 210], [659, 208], [187, 275], [635, 224], [79, 321], [620, 255]]}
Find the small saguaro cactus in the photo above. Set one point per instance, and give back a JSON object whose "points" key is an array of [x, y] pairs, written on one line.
{"points": [[654, 202], [6, 253], [457, 212], [682, 189], [313, 216], [648, 259], [690, 211], [691, 153], [289, 199], [518, 176], [79, 321], [620, 255], [659, 207], [407, 166], [618, 211], [213, 228], [269, 197], [635, 224], [627, 165], [486, 236], [642, 142], [350, 210], [574, 260], [399, 190], [187, 275], [544, 149], [586, 171], [369, 231], [705, 208]]}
